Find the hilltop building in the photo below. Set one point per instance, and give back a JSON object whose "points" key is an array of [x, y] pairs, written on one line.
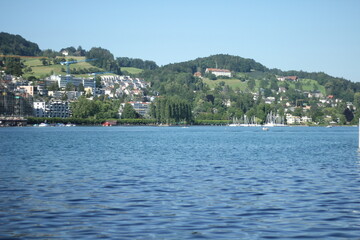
{"points": [[218, 72]]}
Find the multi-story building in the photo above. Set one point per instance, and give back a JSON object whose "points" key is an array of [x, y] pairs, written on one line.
{"points": [[70, 95], [29, 89], [39, 109], [141, 108], [62, 81], [54, 108], [15, 103]]}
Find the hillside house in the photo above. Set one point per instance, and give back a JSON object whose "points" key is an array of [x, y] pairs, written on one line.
{"points": [[290, 119], [315, 94], [269, 100], [65, 52], [282, 90], [218, 72], [197, 74], [288, 78]]}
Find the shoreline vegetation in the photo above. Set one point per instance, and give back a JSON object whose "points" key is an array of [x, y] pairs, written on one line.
{"points": [[121, 122], [138, 122]]}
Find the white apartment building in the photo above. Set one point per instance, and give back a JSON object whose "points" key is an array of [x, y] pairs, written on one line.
{"points": [[63, 80], [39, 109], [54, 108]]}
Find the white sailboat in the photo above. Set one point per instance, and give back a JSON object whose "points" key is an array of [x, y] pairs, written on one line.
{"points": [[274, 120]]}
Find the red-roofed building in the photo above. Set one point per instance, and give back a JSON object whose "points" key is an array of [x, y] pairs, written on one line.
{"points": [[197, 74], [291, 78]]}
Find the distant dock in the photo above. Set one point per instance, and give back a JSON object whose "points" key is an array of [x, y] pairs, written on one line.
{"points": [[13, 121]]}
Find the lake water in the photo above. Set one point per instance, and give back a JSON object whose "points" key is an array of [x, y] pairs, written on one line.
{"points": [[179, 183]]}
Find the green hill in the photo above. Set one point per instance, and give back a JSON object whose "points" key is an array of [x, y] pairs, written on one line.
{"points": [[177, 78], [233, 83], [166, 79], [11, 44], [41, 71], [131, 70]]}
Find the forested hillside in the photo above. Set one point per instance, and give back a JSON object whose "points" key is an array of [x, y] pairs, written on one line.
{"points": [[339, 87], [225, 61], [16, 45], [169, 78]]}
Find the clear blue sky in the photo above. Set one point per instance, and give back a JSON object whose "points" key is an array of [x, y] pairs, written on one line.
{"points": [[309, 35]]}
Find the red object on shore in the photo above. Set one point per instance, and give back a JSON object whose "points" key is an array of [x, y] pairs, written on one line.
{"points": [[109, 123]]}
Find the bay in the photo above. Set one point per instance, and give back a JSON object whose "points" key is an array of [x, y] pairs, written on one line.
{"points": [[179, 183]]}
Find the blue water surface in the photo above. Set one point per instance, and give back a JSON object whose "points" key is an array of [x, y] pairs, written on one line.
{"points": [[179, 183]]}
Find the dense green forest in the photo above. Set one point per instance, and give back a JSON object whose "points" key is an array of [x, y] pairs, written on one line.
{"points": [[16, 45], [136, 63]]}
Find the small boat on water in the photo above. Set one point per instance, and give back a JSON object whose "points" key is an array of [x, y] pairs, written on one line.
{"points": [[43, 125], [265, 129]]}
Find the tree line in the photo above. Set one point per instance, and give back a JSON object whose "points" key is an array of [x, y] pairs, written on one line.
{"points": [[136, 63], [97, 109], [171, 110]]}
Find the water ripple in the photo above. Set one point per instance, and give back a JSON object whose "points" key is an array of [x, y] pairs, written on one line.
{"points": [[202, 183]]}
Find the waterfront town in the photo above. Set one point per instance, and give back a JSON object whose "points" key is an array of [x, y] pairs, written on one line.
{"points": [[52, 97], [20, 99]]}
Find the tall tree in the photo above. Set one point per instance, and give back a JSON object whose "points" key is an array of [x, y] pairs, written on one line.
{"points": [[348, 115], [13, 66], [103, 59], [129, 112], [251, 84]]}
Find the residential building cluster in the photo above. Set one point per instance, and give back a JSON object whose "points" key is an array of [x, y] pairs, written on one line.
{"points": [[22, 98], [116, 86]]}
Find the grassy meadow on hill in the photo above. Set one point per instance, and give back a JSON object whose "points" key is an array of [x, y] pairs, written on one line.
{"points": [[40, 71]]}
